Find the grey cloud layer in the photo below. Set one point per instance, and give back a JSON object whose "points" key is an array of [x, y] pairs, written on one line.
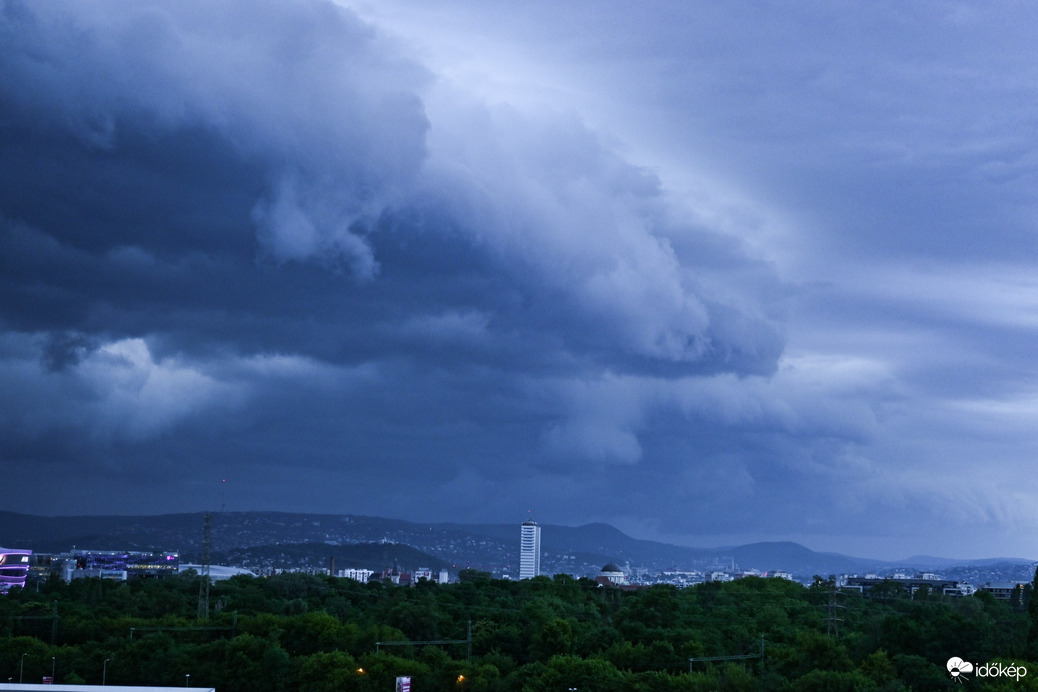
{"points": [[275, 242], [319, 123], [211, 184]]}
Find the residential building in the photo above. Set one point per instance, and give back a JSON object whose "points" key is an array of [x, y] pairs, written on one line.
{"points": [[867, 585], [356, 574], [1004, 591], [529, 550]]}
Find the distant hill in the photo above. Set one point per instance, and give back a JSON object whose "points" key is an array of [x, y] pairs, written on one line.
{"points": [[931, 561], [373, 556], [793, 557], [314, 538], [56, 534], [602, 540]]}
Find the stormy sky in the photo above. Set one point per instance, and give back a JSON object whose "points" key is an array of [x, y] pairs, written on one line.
{"points": [[710, 272]]}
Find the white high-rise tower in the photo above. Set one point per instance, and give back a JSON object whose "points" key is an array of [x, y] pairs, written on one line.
{"points": [[529, 550]]}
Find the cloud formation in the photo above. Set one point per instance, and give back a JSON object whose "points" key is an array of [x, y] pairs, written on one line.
{"points": [[738, 286]]}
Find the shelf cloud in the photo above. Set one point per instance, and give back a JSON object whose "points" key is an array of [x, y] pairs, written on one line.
{"points": [[706, 275]]}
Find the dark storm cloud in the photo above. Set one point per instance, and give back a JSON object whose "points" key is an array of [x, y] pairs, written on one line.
{"points": [[708, 274], [172, 169], [64, 349], [238, 223], [304, 92]]}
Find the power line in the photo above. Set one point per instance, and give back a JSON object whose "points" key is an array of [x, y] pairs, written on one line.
{"points": [[467, 641], [736, 657]]}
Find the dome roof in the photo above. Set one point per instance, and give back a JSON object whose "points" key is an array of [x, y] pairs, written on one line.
{"points": [[611, 568]]}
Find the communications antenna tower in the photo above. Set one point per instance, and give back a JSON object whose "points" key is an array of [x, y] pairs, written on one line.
{"points": [[203, 587], [832, 623]]}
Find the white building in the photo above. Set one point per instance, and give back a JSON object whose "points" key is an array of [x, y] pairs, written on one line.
{"points": [[529, 550], [611, 574], [219, 572], [361, 575]]}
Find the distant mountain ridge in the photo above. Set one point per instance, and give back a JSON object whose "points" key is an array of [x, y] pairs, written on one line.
{"points": [[492, 547]]}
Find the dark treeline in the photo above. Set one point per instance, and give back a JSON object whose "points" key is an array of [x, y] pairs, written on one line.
{"points": [[315, 633]]}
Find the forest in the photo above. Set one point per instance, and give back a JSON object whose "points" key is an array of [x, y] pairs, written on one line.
{"points": [[314, 633]]}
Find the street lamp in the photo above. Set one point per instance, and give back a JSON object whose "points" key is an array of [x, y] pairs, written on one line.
{"points": [[187, 678], [53, 665], [21, 667], [104, 672]]}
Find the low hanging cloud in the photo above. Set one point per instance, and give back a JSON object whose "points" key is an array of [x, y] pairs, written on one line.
{"points": [[112, 392]]}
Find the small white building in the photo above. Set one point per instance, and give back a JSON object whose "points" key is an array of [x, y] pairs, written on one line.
{"points": [[361, 575], [611, 574], [220, 572]]}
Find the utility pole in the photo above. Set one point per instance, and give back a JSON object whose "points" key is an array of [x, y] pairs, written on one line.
{"points": [[203, 587], [54, 624], [832, 623]]}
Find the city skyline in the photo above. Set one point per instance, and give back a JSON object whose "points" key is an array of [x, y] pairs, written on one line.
{"points": [[711, 274]]}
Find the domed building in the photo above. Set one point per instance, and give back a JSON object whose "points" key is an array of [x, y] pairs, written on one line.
{"points": [[611, 575]]}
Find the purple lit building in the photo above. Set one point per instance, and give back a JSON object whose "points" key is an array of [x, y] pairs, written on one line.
{"points": [[14, 568], [120, 564]]}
